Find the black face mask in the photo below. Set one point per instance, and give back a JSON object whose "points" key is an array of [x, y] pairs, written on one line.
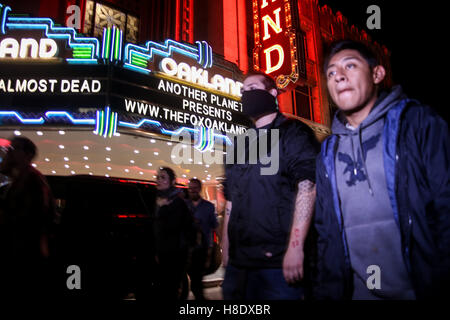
{"points": [[257, 103]]}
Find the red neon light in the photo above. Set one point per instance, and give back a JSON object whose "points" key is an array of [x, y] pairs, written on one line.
{"points": [[275, 50], [230, 32], [83, 14], [242, 34], [177, 21], [126, 216], [4, 143]]}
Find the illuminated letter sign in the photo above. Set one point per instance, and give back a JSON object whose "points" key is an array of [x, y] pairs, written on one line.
{"points": [[275, 50], [195, 75], [276, 26], [28, 48]]}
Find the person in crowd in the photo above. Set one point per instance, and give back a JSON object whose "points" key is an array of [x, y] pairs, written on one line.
{"points": [[27, 210], [206, 220], [173, 236], [268, 214], [383, 188]]}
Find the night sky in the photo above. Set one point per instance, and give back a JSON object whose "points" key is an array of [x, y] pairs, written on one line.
{"points": [[415, 33]]}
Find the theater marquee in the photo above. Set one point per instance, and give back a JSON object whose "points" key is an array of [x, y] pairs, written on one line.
{"points": [[50, 73]]}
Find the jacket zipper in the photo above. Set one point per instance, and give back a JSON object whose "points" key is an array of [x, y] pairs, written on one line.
{"points": [[408, 231]]}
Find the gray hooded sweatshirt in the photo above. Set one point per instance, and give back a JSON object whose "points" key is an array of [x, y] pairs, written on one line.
{"points": [[372, 233]]}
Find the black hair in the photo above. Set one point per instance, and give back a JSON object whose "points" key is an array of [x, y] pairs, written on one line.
{"points": [[24, 144], [363, 50], [197, 181], [170, 173]]}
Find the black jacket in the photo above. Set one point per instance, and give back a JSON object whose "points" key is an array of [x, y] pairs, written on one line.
{"points": [[173, 226], [416, 152], [262, 205]]}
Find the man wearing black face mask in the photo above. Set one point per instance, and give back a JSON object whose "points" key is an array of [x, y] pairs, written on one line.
{"points": [[268, 216]]}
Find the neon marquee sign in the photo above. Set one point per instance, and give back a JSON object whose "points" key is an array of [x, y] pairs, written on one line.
{"points": [[106, 124], [28, 48], [65, 43], [207, 98], [275, 50]]}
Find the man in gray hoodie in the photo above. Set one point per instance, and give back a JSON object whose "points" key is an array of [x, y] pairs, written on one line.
{"points": [[379, 187]]}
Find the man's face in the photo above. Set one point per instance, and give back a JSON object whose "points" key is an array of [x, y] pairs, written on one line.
{"points": [[350, 81], [194, 190], [256, 82]]}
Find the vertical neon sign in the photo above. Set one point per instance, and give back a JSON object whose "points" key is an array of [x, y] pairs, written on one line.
{"points": [[275, 51]]}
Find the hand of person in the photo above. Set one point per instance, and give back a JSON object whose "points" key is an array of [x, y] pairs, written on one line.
{"points": [[293, 265], [162, 201]]}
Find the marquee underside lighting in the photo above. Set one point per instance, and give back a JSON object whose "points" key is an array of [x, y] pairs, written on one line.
{"points": [[106, 124], [19, 117]]}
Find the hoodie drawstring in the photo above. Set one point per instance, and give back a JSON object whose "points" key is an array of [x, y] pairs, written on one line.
{"points": [[355, 162], [364, 160]]}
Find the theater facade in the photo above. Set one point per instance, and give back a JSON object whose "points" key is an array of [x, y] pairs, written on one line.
{"points": [[108, 107], [119, 88]]}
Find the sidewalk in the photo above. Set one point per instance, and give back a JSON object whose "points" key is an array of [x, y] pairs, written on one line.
{"points": [[214, 279]]}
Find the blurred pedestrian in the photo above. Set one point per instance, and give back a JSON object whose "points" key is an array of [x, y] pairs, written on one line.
{"points": [[26, 212], [206, 220], [173, 234]]}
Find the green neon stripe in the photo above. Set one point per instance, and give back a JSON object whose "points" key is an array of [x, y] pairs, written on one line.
{"points": [[137, 63], [205, 140], [108, 42], [102, 122], [82, 49], [82, 52], [144, 63], [140, 63], [117, 44], [111, 124], [81, 56], [137, 58], [202, 147]]}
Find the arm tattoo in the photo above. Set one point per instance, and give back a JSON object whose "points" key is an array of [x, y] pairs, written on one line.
{"points": [[228, 206], [303, 211], [304, 202]]}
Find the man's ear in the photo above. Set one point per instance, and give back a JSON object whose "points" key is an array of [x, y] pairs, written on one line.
{"points": [[273, 92], [378, 74]]}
